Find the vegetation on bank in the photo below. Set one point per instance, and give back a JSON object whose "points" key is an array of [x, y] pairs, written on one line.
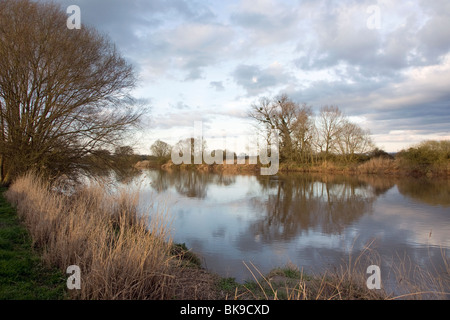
{"points": [[429, 158], [22, 273]]}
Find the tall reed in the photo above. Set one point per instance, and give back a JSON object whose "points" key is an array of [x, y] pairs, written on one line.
{"points": [[122, 253]]}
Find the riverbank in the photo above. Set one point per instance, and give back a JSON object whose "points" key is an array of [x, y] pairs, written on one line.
{"points": [[124, 255], [427, 159], [22, 274], [375, 166]]}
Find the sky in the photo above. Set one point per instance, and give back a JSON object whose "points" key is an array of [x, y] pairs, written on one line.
{"points": [[385, 64]]}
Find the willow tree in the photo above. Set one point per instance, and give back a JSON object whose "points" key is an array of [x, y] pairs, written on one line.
{"points": [[64, 94]]}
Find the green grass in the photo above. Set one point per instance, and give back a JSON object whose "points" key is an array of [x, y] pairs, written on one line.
{"points": [[227, 284], [22, 275], [186, 255]]}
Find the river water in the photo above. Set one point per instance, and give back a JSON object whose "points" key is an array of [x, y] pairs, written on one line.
{"points": [[315, 222]]}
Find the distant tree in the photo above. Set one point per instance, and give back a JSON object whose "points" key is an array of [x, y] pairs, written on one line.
{"points": [[124, 158], [330, 125], [64, 94], [304, 134], [353, 140], [161, 150], [427, 153], [379, 153]]}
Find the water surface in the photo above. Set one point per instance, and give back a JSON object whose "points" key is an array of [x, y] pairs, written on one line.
{"points": [[314, 222]]}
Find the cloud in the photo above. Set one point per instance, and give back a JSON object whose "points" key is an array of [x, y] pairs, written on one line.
{"points": [[217, 85], [180, 106], [193, 46], [266, 22], [256, 80], [159, 35], [410, 35], [183, 118], [417, 100]]}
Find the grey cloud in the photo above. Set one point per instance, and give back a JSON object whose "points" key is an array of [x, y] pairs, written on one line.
{"points": [[266, 22], [434, 37], [189, 47], [409, 102], [369, 68], [180, 106], [217, 85], [256, 80], [154, 33], [341, 36]]}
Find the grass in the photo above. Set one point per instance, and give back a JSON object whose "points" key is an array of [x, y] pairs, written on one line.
{"points": [[184, 254], [379, 166], [344, 282], [290, 283], [22, 273]]}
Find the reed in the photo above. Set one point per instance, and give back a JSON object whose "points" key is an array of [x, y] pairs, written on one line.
{"points": [[122, 253], [347, 281], [379, 166]]}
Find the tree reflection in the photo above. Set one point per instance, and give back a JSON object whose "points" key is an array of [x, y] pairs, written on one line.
{"points": [[433, 192], [188, 183], [288, 204], [297, 203]]}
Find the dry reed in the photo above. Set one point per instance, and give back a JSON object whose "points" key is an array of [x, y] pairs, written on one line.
{"points": [[122, 254], [348, 281]]}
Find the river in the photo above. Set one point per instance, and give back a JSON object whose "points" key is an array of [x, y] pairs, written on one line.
{"points": [[315, 222]]}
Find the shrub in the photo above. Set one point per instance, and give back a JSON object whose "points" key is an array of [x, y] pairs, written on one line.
{"points": [[427, 153]]}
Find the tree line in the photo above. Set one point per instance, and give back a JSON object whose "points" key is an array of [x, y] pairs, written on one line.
{"points": [[305, 137], [302, 136]]}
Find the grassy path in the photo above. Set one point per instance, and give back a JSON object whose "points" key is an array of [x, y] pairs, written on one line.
{"points": [[22, 276]]}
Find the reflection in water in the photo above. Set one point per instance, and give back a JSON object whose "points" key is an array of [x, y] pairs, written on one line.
{"points": [[191, 184], [311, 220], [433, 192], [302, 202]]}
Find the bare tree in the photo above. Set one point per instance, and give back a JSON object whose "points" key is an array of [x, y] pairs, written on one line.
{"points": [[353, 140], [63, 93], [161, 150], [303, 132], [289, 118], [330, 123]]}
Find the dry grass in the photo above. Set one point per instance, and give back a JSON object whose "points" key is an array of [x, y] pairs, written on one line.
{"points": [[379, 166], [121, 254], [417, 283], [347, 281]]}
